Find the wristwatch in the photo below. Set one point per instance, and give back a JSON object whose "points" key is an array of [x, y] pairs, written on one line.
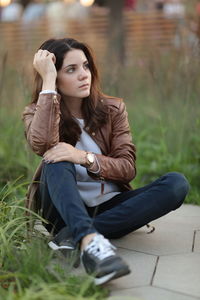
{"points": [[90, 159]]}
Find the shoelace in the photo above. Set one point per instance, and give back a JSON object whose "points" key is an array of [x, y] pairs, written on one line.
{"points": [[100, 247]]}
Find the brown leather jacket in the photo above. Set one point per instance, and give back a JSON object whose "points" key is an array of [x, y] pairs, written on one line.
{"points": [[117, 161]]}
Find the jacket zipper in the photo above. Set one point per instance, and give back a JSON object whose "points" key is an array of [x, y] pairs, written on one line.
{"points": [[102, 185], [101, 179], [102, 188]]}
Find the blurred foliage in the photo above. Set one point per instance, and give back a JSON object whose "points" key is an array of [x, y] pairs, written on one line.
{"points": [[162, 96]]}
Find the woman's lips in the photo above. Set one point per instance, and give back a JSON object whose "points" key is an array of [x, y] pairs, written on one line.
{"points": [[84, 86]]}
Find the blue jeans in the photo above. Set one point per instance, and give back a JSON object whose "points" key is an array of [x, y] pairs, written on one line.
{"points": [[62, 205]]}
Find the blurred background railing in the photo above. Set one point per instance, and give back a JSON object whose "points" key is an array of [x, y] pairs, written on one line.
{"points": [[143, 33]]}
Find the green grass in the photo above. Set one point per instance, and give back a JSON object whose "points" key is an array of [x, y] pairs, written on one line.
{"points": [[28, 268]]}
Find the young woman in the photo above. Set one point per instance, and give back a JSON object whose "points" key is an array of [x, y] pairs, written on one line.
{"points": [[88, 161]]}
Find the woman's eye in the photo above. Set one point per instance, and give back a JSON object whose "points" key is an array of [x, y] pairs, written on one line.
{"points": [[70, 70], [86, 66]]}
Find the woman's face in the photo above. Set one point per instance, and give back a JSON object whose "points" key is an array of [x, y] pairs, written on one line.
{"points": [[74, 77]]}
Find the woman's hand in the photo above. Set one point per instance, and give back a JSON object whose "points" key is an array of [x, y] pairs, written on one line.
{"points": [[44, 64], [65, 152]]}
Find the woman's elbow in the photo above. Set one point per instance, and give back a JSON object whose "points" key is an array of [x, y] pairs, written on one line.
{"points": [[130, 174], [39, 145], [38, 150]]}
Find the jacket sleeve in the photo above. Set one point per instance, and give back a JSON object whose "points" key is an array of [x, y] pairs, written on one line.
{"points": [[41, 122], [119, 164]]}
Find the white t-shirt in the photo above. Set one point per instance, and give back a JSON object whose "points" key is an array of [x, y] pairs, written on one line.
{"points": [[90, 189]]}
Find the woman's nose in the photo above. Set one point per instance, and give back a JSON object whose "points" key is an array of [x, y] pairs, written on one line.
{"points": [[83, 74]]}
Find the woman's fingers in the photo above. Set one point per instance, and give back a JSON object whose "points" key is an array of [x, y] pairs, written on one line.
{"points": [[56, 159], [42, 53], [61, 152], [54, 152], [39, 54], [51, 149], [44, 63]]}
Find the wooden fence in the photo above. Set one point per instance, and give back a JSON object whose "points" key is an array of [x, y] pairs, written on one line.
{"points": [[142, 32]]}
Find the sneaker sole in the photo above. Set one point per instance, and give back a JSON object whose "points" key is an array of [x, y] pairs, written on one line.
{"points": [[53, 246], [104, 279], [111, 276]]}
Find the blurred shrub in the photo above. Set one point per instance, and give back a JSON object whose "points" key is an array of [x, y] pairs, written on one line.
{"points": [[162, 96], [15, 158]]}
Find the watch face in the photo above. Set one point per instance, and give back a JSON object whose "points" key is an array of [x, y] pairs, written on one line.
{"points": [[90, 158]]}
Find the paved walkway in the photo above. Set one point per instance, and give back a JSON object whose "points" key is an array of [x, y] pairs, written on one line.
{"points": [[165, 264]]}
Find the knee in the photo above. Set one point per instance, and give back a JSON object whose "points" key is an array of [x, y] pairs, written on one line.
{"points": [[59, 167], [178, 187]]}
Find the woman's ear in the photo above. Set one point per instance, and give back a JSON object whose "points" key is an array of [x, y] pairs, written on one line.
{"points": [[54, 58]]}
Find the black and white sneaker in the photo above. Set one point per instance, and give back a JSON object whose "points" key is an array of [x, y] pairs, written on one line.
{"points": [[63, 243], [100, 260], [62, 240]]}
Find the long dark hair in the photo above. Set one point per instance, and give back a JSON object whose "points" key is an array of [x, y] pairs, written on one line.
{"points": [[94, 112]]}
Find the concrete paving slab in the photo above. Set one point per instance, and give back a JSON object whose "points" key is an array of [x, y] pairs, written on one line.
{"points": [[197, 241], [179, 226], [187, 210], [142, 267], [180, 273], [148, 293], [161, 241], [185, 221]]}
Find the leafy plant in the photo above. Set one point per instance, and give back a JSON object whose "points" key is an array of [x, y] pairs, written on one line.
{"points": [[29, 269]]}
